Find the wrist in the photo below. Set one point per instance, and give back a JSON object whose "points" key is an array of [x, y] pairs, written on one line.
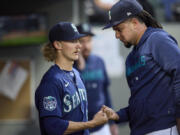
{"points": [[116, 117], [91, 124]]}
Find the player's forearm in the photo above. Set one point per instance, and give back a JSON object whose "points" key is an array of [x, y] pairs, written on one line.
{"points": [[178, 124], [105, 6], [77, 126]]}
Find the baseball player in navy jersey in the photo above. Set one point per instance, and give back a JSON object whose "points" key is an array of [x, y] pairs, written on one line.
{"points": [[152, 72], [61, 96], [93, 71]]}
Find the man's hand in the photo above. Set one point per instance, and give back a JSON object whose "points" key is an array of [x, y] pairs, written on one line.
{"points": [[111, 114], [100, 118]]}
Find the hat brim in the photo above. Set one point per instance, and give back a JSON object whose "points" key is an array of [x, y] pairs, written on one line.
{"points": [[112, 24], [89, 34], [77, 37]]}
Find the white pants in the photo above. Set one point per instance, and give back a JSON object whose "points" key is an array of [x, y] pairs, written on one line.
{"points": [[168, 131], [103, 131]]}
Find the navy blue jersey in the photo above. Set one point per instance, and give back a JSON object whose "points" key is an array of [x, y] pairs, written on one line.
{"points": [[96, 82], [61, 96], [153, 75]]}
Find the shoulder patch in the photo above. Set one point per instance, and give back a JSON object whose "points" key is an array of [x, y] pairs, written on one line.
{"points": [[49, 103]]}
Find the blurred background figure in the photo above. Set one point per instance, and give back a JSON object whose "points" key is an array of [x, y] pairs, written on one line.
{"points": [[96, 10], [171, 7], [147, 6], [176, 11], [94, 74]]}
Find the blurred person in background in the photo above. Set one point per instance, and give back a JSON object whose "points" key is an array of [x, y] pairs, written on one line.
{"points": [[93, 72], [147, 7], [168, 11], [61, 97], [96, 10]]}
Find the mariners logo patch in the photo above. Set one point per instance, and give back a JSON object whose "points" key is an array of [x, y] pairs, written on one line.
{"points": [[49, 103]]}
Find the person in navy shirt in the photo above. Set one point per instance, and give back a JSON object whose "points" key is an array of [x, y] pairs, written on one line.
{"points": [[61, 97], [152, 72], [93, 71]]}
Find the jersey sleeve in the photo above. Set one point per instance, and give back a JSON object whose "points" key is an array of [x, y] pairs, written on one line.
{"points": [[166, 53], [48, 100], [54, 125], [123, 115]]}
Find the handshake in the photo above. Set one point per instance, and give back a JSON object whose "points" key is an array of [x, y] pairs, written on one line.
{"points": [[104, 115]]}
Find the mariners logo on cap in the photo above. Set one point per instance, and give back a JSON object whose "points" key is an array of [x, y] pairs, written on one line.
{"points": [[110, 15], [49, 103], [74, 27]]}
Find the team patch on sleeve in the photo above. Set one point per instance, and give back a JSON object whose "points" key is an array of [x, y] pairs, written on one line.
{"points": [[49, 103]]}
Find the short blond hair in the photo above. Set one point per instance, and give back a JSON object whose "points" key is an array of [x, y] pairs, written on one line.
{"points": [[49, 52]]}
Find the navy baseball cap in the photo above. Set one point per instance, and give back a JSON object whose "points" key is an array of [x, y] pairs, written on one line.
{"points": [[85, 28], [64, 31], [123, 10]]}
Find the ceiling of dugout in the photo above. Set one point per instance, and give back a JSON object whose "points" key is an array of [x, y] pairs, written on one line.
{"points": [[10, 7]]}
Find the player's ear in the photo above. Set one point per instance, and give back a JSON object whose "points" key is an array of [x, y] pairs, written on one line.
{"points": [[135, 22], [57, 45]]}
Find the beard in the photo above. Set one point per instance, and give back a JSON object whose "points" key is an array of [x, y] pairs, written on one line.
{"points": [[127, 45], [86, 53]]}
